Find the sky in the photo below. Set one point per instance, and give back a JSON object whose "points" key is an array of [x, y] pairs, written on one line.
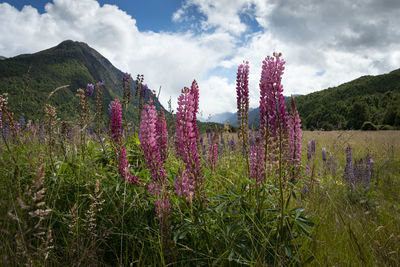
{"points": [[172, 42]]}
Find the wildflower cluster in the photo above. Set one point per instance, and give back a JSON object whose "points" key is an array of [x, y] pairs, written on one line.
{"points": [[148, 142], [116, 121], [358, 173], [186, 140]]}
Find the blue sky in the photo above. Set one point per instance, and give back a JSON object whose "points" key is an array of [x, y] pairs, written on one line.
{"points": [[173, 42], [150, 15]]}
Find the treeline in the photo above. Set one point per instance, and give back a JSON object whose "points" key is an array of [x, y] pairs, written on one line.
{"points": [[369, 103]]}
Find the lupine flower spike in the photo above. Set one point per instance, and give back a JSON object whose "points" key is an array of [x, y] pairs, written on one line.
{"points": [[186, 140], [295, 134]]}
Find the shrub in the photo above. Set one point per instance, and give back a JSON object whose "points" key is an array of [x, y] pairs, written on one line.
{"points": [[368, 126]]}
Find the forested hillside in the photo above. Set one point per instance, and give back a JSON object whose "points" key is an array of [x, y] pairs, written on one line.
{"points": [[374, 99]]}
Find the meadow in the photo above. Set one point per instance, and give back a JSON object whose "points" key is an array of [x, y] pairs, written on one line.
{"points": [[94, 193]]}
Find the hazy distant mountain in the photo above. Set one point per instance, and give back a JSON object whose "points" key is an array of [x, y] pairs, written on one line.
{"points": [[1, 57], [29, 78], [231, 118]]}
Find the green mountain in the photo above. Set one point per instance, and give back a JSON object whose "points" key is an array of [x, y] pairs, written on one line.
{"points": [[374, 99], [28, 79]]}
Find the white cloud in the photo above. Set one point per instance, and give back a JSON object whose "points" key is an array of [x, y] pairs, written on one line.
{"points": [[324, 43], [170, 60]]}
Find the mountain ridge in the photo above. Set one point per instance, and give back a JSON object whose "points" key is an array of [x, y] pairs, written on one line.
{"points": [[29, 79]]}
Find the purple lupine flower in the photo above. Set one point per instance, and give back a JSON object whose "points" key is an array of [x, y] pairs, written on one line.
{"points": [[273, 114], [349, 169], [242, 100], [309, 151], [295, 134], [304, 190], [194, 90], [223, 142], [116, 120], [123, 168], [184, 184], [99, 83], [257, 162], [126, 77], [213, 152], [22, 122], [232, 143], [89, 90], [313, 146], [148, 143], [324, 156], [162, 135], [186, 140]]}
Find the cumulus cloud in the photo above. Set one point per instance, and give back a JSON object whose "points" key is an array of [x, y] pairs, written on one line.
{"points": [[324, 43], [169, 60]]}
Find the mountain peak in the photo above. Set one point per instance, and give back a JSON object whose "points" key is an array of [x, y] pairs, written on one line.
{"points": [[69, 63], [68, 44]]}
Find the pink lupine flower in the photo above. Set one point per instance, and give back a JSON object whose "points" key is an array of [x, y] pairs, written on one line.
{"points": [[273, 114], [162, 208], [162, 136], [295, 134], [186, 138], [257, 162], [184, 185], [194, 90], [116, 120], [123, 168], [147, 137]]}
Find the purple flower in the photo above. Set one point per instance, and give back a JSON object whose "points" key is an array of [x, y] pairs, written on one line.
{"points": [[213, 153], [242, 100], [232, 143], [116, 120], [313, 146], [22, 121], [148, 143], [273, 114], [162, 135], [99, 83], [257, 162], [127, 89], [89, 90], [309, 151], [349, 170], [126, 77], [184, 185], [123, 168], [187, 138], [324, 156]]}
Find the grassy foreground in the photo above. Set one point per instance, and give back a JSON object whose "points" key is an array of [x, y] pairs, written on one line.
{"points": [[62, 202]]}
